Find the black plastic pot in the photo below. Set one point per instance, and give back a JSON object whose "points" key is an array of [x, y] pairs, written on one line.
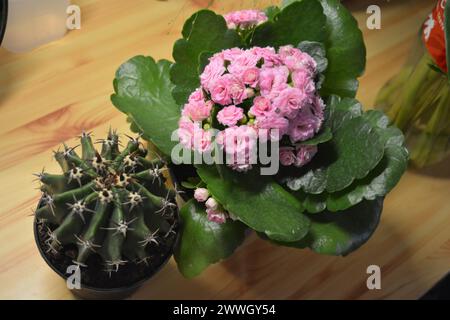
{"points": [[3, 18], [89, 292]]}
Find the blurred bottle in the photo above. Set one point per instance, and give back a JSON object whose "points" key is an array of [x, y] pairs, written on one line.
{"points": [[32, 23], [417, 100]]}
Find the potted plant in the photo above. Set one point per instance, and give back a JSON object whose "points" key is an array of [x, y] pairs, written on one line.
{"points": [[108, 216], [284, 79]]}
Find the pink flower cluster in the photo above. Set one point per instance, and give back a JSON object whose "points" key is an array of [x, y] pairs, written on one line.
{"points": [[245, 18], [253, 91]]}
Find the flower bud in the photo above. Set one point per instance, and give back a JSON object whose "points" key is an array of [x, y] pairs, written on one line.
{"points": [[216, 216], [250, 93], [212, 204], [201, 194]]}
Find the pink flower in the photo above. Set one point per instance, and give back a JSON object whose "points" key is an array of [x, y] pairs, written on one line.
{"points": [[261, 107], [230, 115], [268, 54], [240, 145], [201, 140], [186, 132], [216, 216], [275, 125], [230, 54], [197, 110], [302, 80], [304, 155], [295, 59], [228, 89], [238, 139], [244, 18], [192, 136], [212, 72], [201, 194], [304, 126], [318, 107], [251, 76], [220, 92], [197, 95], [287, 156], [289, 102], [239, 64], [236, 89], [273, 80]]}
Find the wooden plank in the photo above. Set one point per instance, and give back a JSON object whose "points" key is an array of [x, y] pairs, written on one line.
{"points": [[52, 93]]}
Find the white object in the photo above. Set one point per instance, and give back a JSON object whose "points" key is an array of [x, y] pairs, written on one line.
{"points": [[32, 23]]}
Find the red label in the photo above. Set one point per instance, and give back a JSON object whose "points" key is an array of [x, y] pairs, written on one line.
{"points": [[434, 36]]}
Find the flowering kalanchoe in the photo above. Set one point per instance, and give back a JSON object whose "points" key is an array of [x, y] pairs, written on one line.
{"points": [[257, 93], [245, 19]]}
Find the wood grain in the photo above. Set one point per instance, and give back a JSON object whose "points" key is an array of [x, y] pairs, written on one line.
{"points": [[50, 94]]}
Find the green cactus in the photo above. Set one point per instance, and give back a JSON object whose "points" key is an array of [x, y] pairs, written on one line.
{"points": [[113, 203]]}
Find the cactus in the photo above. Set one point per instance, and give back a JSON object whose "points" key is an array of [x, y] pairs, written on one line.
{"points": [[113, 203]]}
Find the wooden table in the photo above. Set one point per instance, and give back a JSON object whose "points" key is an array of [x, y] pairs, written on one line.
{"points": [[50, 94]]}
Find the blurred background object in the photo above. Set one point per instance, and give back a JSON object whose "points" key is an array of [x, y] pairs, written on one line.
{"points": [[32, 23], [3, 16], [417, 99]]}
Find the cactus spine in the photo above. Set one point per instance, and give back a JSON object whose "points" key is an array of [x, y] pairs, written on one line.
{"points": [[113, 203]]}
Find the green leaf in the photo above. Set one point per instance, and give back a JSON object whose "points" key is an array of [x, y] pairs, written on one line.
{"points": [[354, 151], [143, 92], [346, 51], [257, 201], [285, 3], [188, 185], [301, 21], [203, 61], [317, 51], [271, 12], [343, 232], [379, 182], [134, 128], [203, 242], [386, 174], [358, 150], [322, 137], [377, 119], [340, 111], [313, 203], [203, 32]]}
